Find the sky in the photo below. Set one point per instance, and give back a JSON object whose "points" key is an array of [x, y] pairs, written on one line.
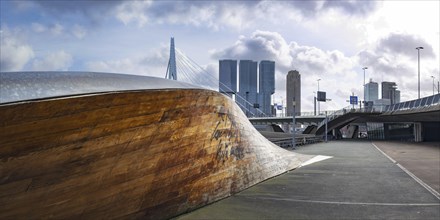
{"points": [[327, 40]]}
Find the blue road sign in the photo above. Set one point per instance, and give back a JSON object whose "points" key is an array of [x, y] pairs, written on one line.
{"points": [[353, 100]]}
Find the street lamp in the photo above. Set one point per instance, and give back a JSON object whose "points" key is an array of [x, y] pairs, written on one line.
{"points": [[317, 93], [418, 56], [314, 103], [433, 84], [364, 68], [294, 126]]}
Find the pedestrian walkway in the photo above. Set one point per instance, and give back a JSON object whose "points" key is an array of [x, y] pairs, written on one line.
{"points": [[359, 182]]}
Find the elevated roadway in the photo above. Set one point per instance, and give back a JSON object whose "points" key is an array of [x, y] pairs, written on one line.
{"points": [[312, 119]]}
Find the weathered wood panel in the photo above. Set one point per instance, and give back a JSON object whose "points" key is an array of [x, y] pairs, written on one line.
{"points": [[149, 154]]}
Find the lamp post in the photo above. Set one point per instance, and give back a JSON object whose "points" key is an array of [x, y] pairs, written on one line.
{"points": [[293, 130], [326, 121], [433, 84], [314, 103], [418, 58], [317, 93], [364, 68]]}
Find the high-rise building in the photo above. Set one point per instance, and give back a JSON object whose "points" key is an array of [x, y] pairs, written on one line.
{"points": [[371, 91], [267, 85], [389, 91], [228, 77], [396, 97], [293, 92], [247, 91]]}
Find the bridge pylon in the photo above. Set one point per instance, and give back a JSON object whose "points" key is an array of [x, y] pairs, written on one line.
{"points": [[171, 68]]}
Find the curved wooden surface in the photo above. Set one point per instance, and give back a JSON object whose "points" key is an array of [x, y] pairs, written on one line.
{"points": [[149, 154]]}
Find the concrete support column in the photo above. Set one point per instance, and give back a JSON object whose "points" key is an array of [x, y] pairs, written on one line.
{"points": [[386, 131], [418, 132]]}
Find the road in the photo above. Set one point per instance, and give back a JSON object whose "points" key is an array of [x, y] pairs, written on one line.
{"points": [[359, 182]]}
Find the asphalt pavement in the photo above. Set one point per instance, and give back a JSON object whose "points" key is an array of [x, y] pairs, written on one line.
{"points": [[358, 182]]}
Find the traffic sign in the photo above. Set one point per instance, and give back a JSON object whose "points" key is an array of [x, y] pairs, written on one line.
{"points": [[353, 100], [321, 96]]}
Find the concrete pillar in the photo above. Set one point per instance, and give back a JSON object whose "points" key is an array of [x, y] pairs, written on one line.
{"points": [[386, 131], [418, 132]]}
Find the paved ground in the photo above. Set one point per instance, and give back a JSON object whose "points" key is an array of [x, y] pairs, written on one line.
{"points": [[359, 182], [421, 159]]}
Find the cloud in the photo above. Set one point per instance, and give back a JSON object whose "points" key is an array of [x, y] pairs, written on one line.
{"points": [[404, 44], [38, 28], [195, 13], [230, 13], [56, 29], [133, 11], [94, 11], [357, 8], [79, 31], [395, 59], [263, 45], [395, 54], [153, 64], [211, 14], [14, 53], [260, 45], [59, 60]]}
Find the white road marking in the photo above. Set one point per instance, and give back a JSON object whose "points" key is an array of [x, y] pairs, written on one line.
{"points": [[349, 203], [315, 159], [426, 186]]}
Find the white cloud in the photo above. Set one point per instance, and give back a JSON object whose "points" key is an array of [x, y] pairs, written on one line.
{"points": [[235, 14], [152, 65], [59, 60], [14, 53], [133, 11], [79, 31], [56, 29], [39, 28]]}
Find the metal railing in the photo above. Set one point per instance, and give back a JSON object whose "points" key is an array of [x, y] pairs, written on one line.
{"points": [[413, 104], [287, 142], [285, 115]]}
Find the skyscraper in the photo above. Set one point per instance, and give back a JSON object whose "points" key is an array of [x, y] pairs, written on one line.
{"points": [[293, 92], [247, 92], [389, 91], [267, 85], [228, 77], [371, 91]]}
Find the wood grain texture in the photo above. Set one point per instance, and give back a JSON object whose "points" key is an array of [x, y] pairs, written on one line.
{"points": [[149, 154]]}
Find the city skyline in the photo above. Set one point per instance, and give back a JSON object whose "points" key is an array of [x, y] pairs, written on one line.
{"points": [[249, 91], [325, 40]]}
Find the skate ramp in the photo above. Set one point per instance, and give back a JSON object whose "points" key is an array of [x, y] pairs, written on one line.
{"points": [[149, 153]]}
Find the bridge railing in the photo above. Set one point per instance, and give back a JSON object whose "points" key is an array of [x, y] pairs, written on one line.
{"points": [[284, 115], [417, 103], [287, 142]]}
